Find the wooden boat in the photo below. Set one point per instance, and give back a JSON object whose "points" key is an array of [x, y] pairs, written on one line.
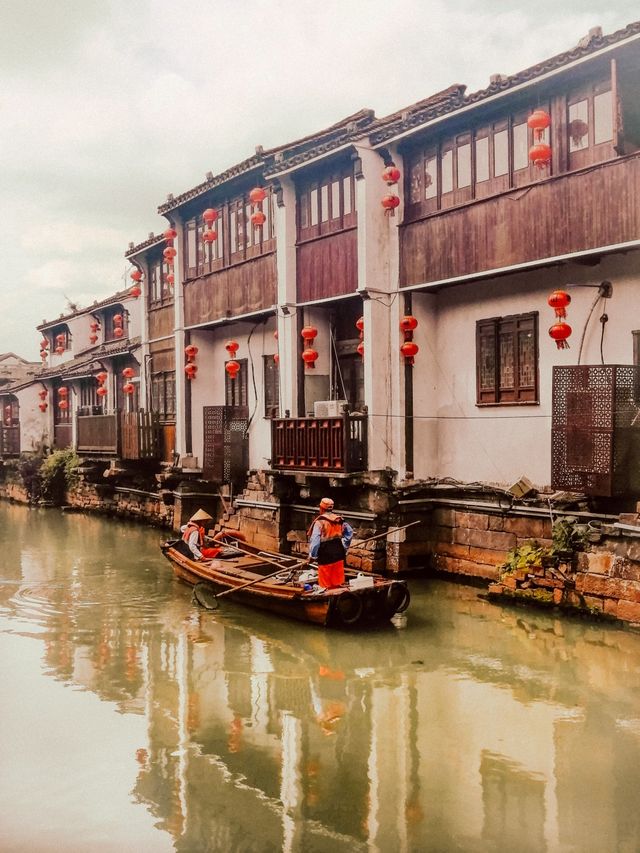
{"points": [[286, 594]]}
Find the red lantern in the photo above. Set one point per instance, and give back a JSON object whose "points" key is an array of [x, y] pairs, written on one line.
{"points": [[360, 326], [210, 215], [128, 372], [136, 275], [390, 202], [232, 348], [64, 405], [44, 344], [117, 319], [118, 332], [191, 370], [93, 339], [258, 219], [170, 278], [191, 352], [560, 332], [360, 349], [275, 334], [210, 236], [128, 388], [43, 407], [309, 356], [169, 252], [43, 394], [59, 350], [257, 196], [409, 349], [43, 355], [232, 367], [170, 234], [135, 291], [102, 391], [391, 175], [539, 121], [102, 377], [308, 334], [60, 338], [62, 392], [276, 358], [94, 326], [559, 300], [540, 154], [408, 323]]}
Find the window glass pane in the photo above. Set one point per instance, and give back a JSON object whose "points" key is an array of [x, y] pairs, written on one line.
{"points": [[199, 244], [266, 209], [482, 159], [304, 210], [520, 146], [526, 358], [602, 118], [447, 171], [415, 181], [464, 165], [234, 231], [578, 126], [241, 228], [500, 153], [250, 228], [314, 207], [487, 363], [335, 200], [346, 195], [507, 372], [219, 244], [191, 244], [324, 203], [431, 177]]}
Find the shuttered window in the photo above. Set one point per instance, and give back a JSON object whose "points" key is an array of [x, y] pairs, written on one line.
{"points": [[507, 360], [235, 390]]}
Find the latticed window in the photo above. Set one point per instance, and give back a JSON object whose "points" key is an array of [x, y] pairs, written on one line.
{"points": [[235, 390], [271, 388], [507, 359], [163, 394]]}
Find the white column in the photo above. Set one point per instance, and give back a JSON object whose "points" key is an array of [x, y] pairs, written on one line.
{"points": [[285, 221], [178, 298]]}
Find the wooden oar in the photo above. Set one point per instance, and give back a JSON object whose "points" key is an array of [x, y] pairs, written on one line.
{"points": [[386, 533]]}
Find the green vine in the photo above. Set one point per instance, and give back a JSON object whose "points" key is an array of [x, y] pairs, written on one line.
{"points": [[567, 537], [58, 473]]}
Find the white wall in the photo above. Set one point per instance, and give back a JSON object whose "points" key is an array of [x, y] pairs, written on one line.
{"points": [[500, 443], [35, 426]]}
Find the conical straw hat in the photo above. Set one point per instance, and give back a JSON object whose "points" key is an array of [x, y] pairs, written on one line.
{"points": [[201, 515]]}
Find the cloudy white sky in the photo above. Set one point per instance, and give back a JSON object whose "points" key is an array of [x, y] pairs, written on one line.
{"points": [[105, 107]]}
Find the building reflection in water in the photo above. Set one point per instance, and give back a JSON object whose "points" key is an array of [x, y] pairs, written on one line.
{"points": [[472, 728]]}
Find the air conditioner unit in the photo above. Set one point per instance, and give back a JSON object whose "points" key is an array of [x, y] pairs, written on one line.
{"points": [[328, 408]]}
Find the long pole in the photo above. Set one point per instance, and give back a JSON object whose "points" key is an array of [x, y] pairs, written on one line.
{"points": [[387, 532]]}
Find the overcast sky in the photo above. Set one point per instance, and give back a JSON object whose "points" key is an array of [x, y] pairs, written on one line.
{"points": [[105, 107]]}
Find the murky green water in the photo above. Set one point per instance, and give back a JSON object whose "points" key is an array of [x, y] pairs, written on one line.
{"points": [[131, 720]]}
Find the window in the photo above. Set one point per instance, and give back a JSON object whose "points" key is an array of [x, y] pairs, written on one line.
{"points": [[590, 118], [500, 153], [235, 390], [159, 287], [163, 394], [520, 146], [271, 388], [578, 125], [89, 403], [326, 204], [115, 323], [482, 159], [507, 360]]}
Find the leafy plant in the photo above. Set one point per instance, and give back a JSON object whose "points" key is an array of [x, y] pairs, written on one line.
{"points": [[568, 535], [523, 557], [58, 474]]}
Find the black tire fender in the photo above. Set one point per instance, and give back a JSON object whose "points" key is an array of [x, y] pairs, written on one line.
{"points": [[349, 608], [398, 598]]}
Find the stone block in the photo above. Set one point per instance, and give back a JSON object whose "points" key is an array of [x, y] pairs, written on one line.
{"points": [[485, 555], [509, 582], [493, 540], [444, 517], [599, 563], [605, 586], [496, 522], [475, 520], [527, 528], [452, 550], [610, 606], [495, 588], [629, 611], [558, 595], [593, 602]]}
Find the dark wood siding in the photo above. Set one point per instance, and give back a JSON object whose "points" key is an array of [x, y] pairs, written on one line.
{"points": [[569, 213], [161, 322], [328, 266], [240, 289]]}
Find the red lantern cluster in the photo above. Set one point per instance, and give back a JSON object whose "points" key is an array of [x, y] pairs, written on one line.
{"points": [[540, 151], [136, 290], [309, 354], [210, 216], [60, 343], [43, 405], [44, 346], [63, 403], [390, 201], [128, 388], [560, 331], [256, 197], [409, 348], [7, 415], [360, 328], [191, 368], [93, 337], [118, 331], [101, 378], [169, 255], [232, 367]]}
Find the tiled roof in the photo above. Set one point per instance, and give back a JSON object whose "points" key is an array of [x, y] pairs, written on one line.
{"points": [[152, 240], [416, 115], [79, 365], [89, 309]]}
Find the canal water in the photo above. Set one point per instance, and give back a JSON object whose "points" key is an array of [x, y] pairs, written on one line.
{"points": [[134, 721]]}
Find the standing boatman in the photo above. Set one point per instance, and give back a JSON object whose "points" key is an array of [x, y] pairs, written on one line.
{"points": [[329, 537]]}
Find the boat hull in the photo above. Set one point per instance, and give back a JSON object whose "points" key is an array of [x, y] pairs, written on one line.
{"points": [[341, 607]]}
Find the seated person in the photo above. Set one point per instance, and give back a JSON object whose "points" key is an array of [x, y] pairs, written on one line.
{"points": [[193, 536]]}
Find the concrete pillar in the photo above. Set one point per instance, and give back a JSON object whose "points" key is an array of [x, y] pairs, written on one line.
{"points": [[285, 222]]}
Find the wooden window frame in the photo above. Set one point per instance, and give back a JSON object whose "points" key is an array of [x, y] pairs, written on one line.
{"points": [[311, 222], [163, 395], [271, 384], [493, 330]]}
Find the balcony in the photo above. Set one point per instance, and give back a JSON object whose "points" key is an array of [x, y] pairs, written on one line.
{"points": [[127, 435], [331, 445]]}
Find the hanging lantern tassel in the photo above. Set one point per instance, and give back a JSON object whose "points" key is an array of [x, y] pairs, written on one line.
{"points": [[560, 332], [559, 300], [232, 367], [408, 349]]}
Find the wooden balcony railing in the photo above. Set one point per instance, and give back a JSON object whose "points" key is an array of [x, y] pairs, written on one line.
{"points": [[320, 444], [128, 435], [10, 440]]}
